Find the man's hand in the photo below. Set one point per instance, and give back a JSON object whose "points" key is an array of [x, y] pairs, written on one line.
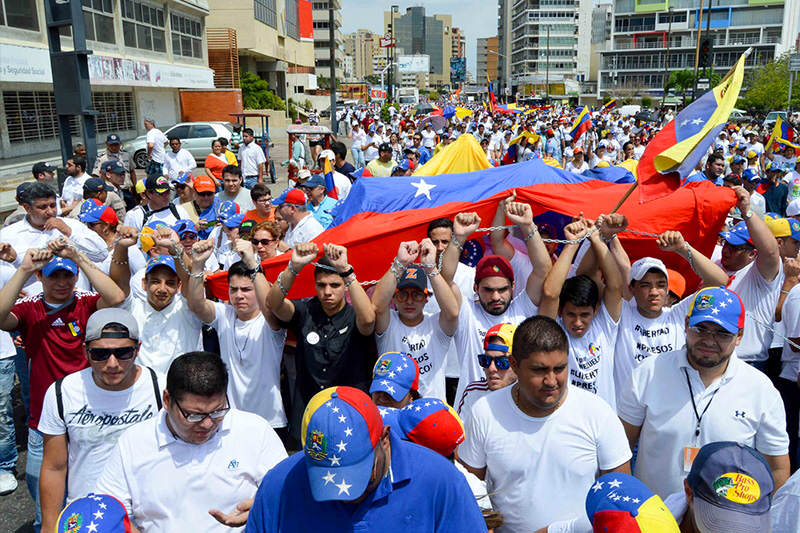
{"points": [[671, 241], [127, 236], [202, 225], [427, 255], [167, 238], [465, 225], [57, 223], [303, 254], [791, 267], [201, 251], [407, 252], [520, 214], [337, 256], [61, 248], [610, 225], [246, 251], [510, 199], [575, 230], [7, 253], [35, 259], [237, 517], [742, 199]]}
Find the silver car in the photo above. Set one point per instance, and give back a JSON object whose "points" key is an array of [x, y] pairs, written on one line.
{"points": [[195, 137]]}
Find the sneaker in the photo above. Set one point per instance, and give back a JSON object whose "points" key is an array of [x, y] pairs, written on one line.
{"points": [[8, 483]]}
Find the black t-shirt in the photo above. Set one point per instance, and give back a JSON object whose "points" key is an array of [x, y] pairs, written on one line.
{"points": [[347, 169], [330, 349]]}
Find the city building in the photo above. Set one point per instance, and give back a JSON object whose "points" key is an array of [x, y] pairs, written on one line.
{"points": [[362, 45], [459, 43], [348, 67], [322, 55], [273, 39], [650, 40], [487, 60], [418, 34], [144, 54]]}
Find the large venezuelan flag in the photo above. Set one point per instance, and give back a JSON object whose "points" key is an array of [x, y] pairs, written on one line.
{"points": [[780, 132]]}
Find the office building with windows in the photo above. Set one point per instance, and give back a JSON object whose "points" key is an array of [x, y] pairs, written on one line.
{"points": [[486, 60], [651, 38], [419, 34], [322, 55], [144, 53]]}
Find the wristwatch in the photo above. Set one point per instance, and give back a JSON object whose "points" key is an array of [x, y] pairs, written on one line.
{"points": [[748, 214]]}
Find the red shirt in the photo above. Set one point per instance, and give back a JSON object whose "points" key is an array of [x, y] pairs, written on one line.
{"points": [[53, 342]]}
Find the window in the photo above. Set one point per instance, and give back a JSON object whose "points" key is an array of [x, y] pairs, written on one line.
{"points": [[292, 28], [264, 11], [201, 132], [187, 35], [143, 26], [19, 14], [98, 17], [31, 115]]}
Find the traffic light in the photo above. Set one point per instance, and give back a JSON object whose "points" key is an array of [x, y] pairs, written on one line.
{"points": [[706, 54]]}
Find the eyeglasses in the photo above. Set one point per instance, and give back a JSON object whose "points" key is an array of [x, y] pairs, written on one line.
{"points": [[189, 236], [196, 418], [102, 354], [262, 242], [264, 200], [500, 362], [719, 336], [417, 296]]}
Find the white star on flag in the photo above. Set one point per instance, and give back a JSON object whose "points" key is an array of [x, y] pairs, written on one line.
{"points": [[614, 484], [391, 374], [344, 487], [427, 404], [723, 305], [418, 408], [698, 120], [335, 461], [636, 500], [617, 498], [348, 432], [685, 122], [384, 382], [342, 446], [335, 409], [342, 419], [383, 411], [328, 478], [597, 486], [714, 311], [102, 505], [423, 189], [98, 515], [626, 499], [729, 300], [92, 527]]}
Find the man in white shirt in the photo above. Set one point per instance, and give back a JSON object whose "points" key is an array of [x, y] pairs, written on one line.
{"points": [[685, 399], [251, 160], [72, 191], [426, 338], [542, 437], [303, 227], [156, 140], [178, 160], [196, 457], [84, 413], [251, 339], [158, 207]]}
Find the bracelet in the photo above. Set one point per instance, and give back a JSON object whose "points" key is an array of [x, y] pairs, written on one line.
{"points": [[118, 262], [290, 269], [433, 273], [197, 275], [347, 272], [784, 291], [532, 233], [397, 269], [254, 271], [609, 239], [352, 279], [457, 244], [689, 256], [279, 282]]}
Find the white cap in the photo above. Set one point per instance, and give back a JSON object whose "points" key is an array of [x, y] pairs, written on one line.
{"points": [[793, 209], [303, 174], [639, 268], [327, 153]]}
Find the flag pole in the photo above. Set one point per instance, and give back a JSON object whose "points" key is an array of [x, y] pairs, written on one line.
{"points": [[625, 197]]}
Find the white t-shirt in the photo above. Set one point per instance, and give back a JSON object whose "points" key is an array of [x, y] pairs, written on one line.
{"points": [[165, 334], [94, 419], [760, 298], [640, 337], [426, 343], [591, 357], [428, 138], [250, 157], [135, 217], [472, 393], [742, 406], [252, 351], [529, 460], [167, 484], [7, 348], [307, 229], [73, 188], [790, 318], [577, 169], [157, 138], [177, 162], [473, 323]]}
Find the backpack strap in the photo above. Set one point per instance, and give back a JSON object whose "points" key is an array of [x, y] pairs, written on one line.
{"points": [[155, 387], [60, 400], [174, 210], [147, 212]]}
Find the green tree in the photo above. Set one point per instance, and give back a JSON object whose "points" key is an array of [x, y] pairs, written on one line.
{"points": [[433, 96], [681, 81], [767, 87], [647, 102], [256, 93], [372, 79]]}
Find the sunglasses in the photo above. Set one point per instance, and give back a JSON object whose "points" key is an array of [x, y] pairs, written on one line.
{"points": [[189, 236], [262, 242], [196, 418], [403, 296], [102, 354], [500, 362]]}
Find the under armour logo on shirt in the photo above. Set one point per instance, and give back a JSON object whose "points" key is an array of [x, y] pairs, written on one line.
{"points": [[740, 414]]}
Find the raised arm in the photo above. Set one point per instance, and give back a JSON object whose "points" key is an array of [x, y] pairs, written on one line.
{"points": [[791, 271], [711, 274], [247, 252], [120, 270], [521, 214], [551, 289], [464, 225], [768, 260], [195, 290], [33, 261], [110, 294], [609, 226], [500, 245], [384, 290], [365, 314], [282, 307], [443, 292]]}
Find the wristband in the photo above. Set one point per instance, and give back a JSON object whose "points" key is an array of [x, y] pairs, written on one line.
{"points": [[279, 282], [784, 291], [348, 282], [292, 270], [347, 272], [532, 233], [609, 239]]}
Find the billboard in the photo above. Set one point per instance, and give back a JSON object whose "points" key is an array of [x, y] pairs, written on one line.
{"points": [[416, 63], [305, 20], [458, 69]]}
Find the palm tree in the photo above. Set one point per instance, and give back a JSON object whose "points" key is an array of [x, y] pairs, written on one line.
{"points": [[681, 81]]}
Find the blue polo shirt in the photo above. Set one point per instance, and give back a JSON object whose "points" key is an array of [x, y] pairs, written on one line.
{"points": [[209, 215], [423, 493], [322, 211], [424, 155]]}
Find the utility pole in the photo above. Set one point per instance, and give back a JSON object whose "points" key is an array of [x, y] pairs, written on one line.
{"points": [[332, 53], [391, 51], [547, 72], [666, 60]]}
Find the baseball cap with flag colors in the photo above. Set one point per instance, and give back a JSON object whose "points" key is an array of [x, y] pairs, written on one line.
{"points": [[146, 239], [784, 227], [718, 305], [619, 503], [505, 332], [396, 374], [431, 423], [97, 513], [341, 428]]}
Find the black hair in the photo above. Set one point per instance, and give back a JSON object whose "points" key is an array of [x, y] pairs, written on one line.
{"points": [[223, 140], [713, 157], [200, 373], [439, 223], [233, 170], [339, 148], [625, 146], [238, 269], [538, 334], [217, 141], [36, 191], [259, 190], [248, 131], [78, 161], [580, 291], [174, 138], [319, 270]]}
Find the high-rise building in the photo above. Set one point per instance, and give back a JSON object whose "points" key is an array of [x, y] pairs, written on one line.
{"points": [[486, 60], [650, 40], [322, 38], [417, 34], [348, 67], [362, 45], [459, 43]]}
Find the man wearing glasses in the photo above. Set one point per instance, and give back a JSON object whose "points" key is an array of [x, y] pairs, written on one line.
{"points": [[203, 209], [405, 328], [158, 207], [685, 399], [198, 460], [423, 152], [85, 412]]}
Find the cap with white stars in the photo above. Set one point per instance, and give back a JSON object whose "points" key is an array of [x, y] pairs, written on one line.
{"points": [[95, 513], [395, 373], [621, 502]]}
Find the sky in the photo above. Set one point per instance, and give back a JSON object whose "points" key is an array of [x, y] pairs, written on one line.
{"points": [[476, 18]]}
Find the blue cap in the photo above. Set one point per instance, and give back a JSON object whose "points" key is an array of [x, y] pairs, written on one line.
{"points": [[282, 198], [316, 180], [737, 235], [86, 206], [113, 138], [98, 513], [226, 209], [750, 174], [620, 502], [718, 305], [114, 167], [732, 486], [91, 212], [371, 128], [233, 221], [60, 263], [395, 373], [738, 159], [182, 177], [160, 260], [184, 226]]}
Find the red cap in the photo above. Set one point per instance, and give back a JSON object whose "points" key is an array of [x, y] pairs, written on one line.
{"points": [[296, 197], [493, 265]]}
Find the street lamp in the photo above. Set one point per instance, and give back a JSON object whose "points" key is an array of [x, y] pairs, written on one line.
{"points": [[392, 49], [498, 54]]}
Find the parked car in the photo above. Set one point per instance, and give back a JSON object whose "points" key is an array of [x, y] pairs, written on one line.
{"points": [[772, 118], [195, 137]]}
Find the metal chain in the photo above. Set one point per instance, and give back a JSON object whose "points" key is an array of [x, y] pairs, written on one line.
{"points": [[769, 327]]}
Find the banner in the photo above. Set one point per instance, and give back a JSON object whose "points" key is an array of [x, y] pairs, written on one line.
{"points": [[416, 63]]}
